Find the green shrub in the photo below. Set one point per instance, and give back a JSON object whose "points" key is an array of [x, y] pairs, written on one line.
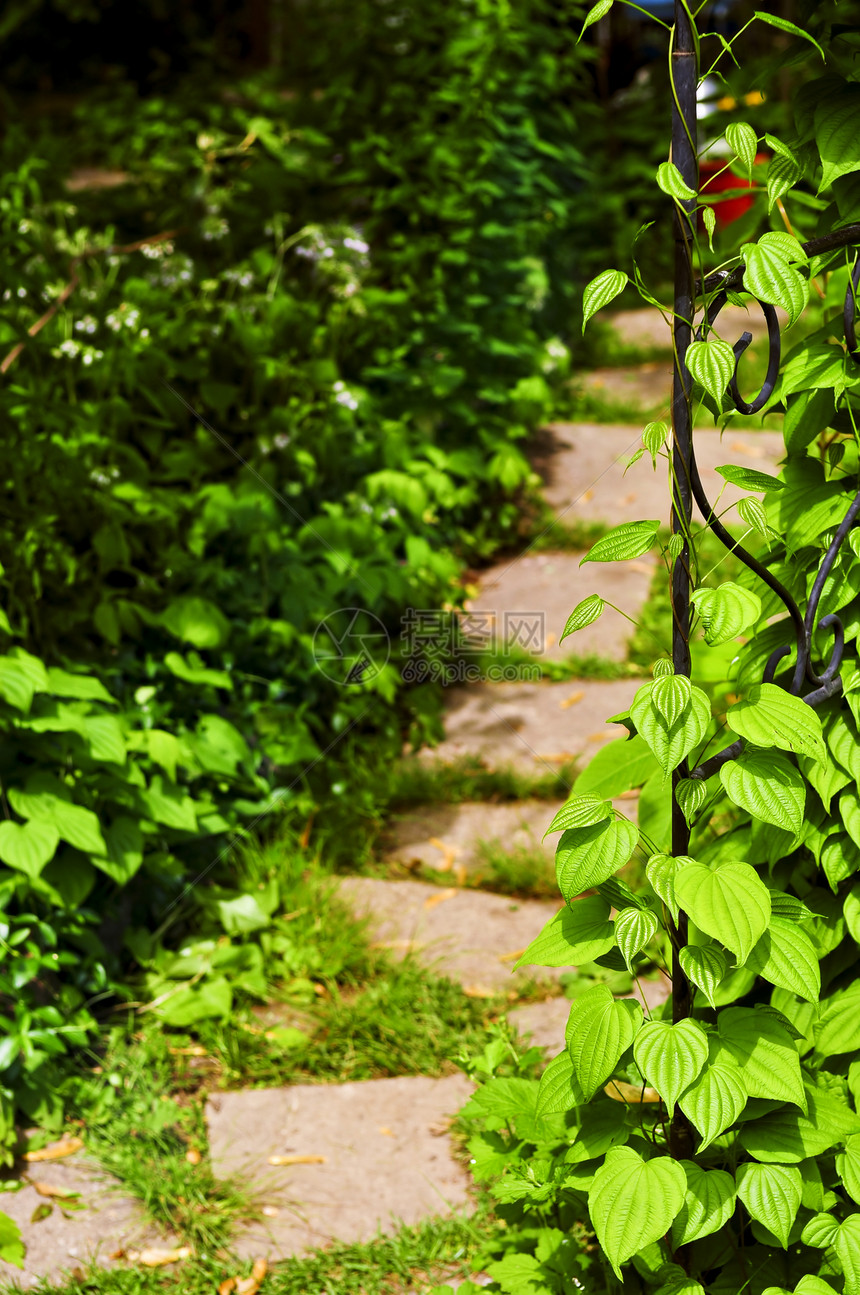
{"points": [[290, 369]]}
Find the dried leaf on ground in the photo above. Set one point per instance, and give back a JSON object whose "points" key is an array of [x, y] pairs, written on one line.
{"points": [[157, 1258], [620, 1091], [41, 1212], [433, 900], [449, 854], [297, 1160], [50, 1190], [54, 1150], [250, 1285], [192, 1155]]}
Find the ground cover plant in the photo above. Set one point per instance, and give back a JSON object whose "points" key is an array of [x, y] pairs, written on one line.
{"points": [[711, 1143]]}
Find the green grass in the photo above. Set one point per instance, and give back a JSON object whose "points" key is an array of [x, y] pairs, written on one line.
{"points": [[416, 782], [417, 1257], [522, 870]]}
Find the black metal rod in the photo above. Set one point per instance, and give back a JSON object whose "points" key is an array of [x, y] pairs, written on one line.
{"points": [[684, 72]]}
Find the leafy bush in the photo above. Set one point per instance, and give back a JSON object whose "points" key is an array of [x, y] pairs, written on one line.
{"points": [[285, 367], [713, 1142]]}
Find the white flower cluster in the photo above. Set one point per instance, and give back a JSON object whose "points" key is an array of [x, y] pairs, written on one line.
{"points": [[70, 349], [154, 251], [356, 245], [125, 317], [555, 354], [102, 477], [86, 325], [344, 396], [244, 278], [173, 270]]}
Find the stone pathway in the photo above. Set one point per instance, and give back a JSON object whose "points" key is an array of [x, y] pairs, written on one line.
{"points": [[340, 1162], [583, 468], [526, 602], [533, 727], [387, 1137], [109, 1225], [468, 935], [345, 1162]]}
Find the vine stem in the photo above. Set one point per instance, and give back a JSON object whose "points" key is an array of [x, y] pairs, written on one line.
{"points": [[684, 75]]}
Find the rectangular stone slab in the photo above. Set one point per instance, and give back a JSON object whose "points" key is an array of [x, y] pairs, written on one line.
{"points": [[585, 479], [530, 598], [387, 1158], [468, 935], [535, 727]]}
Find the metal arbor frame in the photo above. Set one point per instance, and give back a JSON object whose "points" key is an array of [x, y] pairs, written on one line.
{"points": [[688, 486]]}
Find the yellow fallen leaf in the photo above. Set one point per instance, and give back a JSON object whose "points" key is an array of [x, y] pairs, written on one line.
{"points": [[194, 1050], [550, 640], [629, 499], [460, 874], [156, 1258], [572, 699], [250, 1285], [432, 900], [561, 758], [192, 1155], [586, 497], [620, 1091], [55, 1150], [270, 1211], [753, 451], [49, 1190], [402, 946], [226, 1286], [449, 854], [297, 1160], [511, 957], [478, 991], [600, 737], [386, 1131]]}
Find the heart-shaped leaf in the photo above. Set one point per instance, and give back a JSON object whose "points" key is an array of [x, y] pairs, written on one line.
{"points": [[633, 1202], [671, 1057], [607, 285]]}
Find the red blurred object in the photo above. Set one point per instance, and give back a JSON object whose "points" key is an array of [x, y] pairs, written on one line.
{"points": [[711, 182]]}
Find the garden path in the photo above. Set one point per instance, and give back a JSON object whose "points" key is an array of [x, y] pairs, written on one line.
{"points": [[342, 1162]]}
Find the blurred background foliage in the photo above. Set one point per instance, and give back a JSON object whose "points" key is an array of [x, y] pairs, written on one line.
{"points": [[311, 274]]}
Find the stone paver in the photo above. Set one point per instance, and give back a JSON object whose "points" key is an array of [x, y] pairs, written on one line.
{"points": [[585, 478], [648, 330], [534, 727], [112, 1222], [471, 936], [645, 387], [446, 838], [531, 597], [384, 1158]]}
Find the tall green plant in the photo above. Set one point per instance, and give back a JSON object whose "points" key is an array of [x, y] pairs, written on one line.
{"points": [[759, 1081]]}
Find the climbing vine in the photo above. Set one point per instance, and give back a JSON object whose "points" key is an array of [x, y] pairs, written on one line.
{"points": [[713, 1143]]}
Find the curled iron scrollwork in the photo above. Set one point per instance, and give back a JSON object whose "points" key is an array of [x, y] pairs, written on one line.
{"points": [[829, 682]]}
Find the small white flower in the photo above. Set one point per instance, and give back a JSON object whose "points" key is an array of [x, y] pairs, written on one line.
{"points": [[356, 245], [282, 441], [86, 325], [144, 332], [22, 292]]}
